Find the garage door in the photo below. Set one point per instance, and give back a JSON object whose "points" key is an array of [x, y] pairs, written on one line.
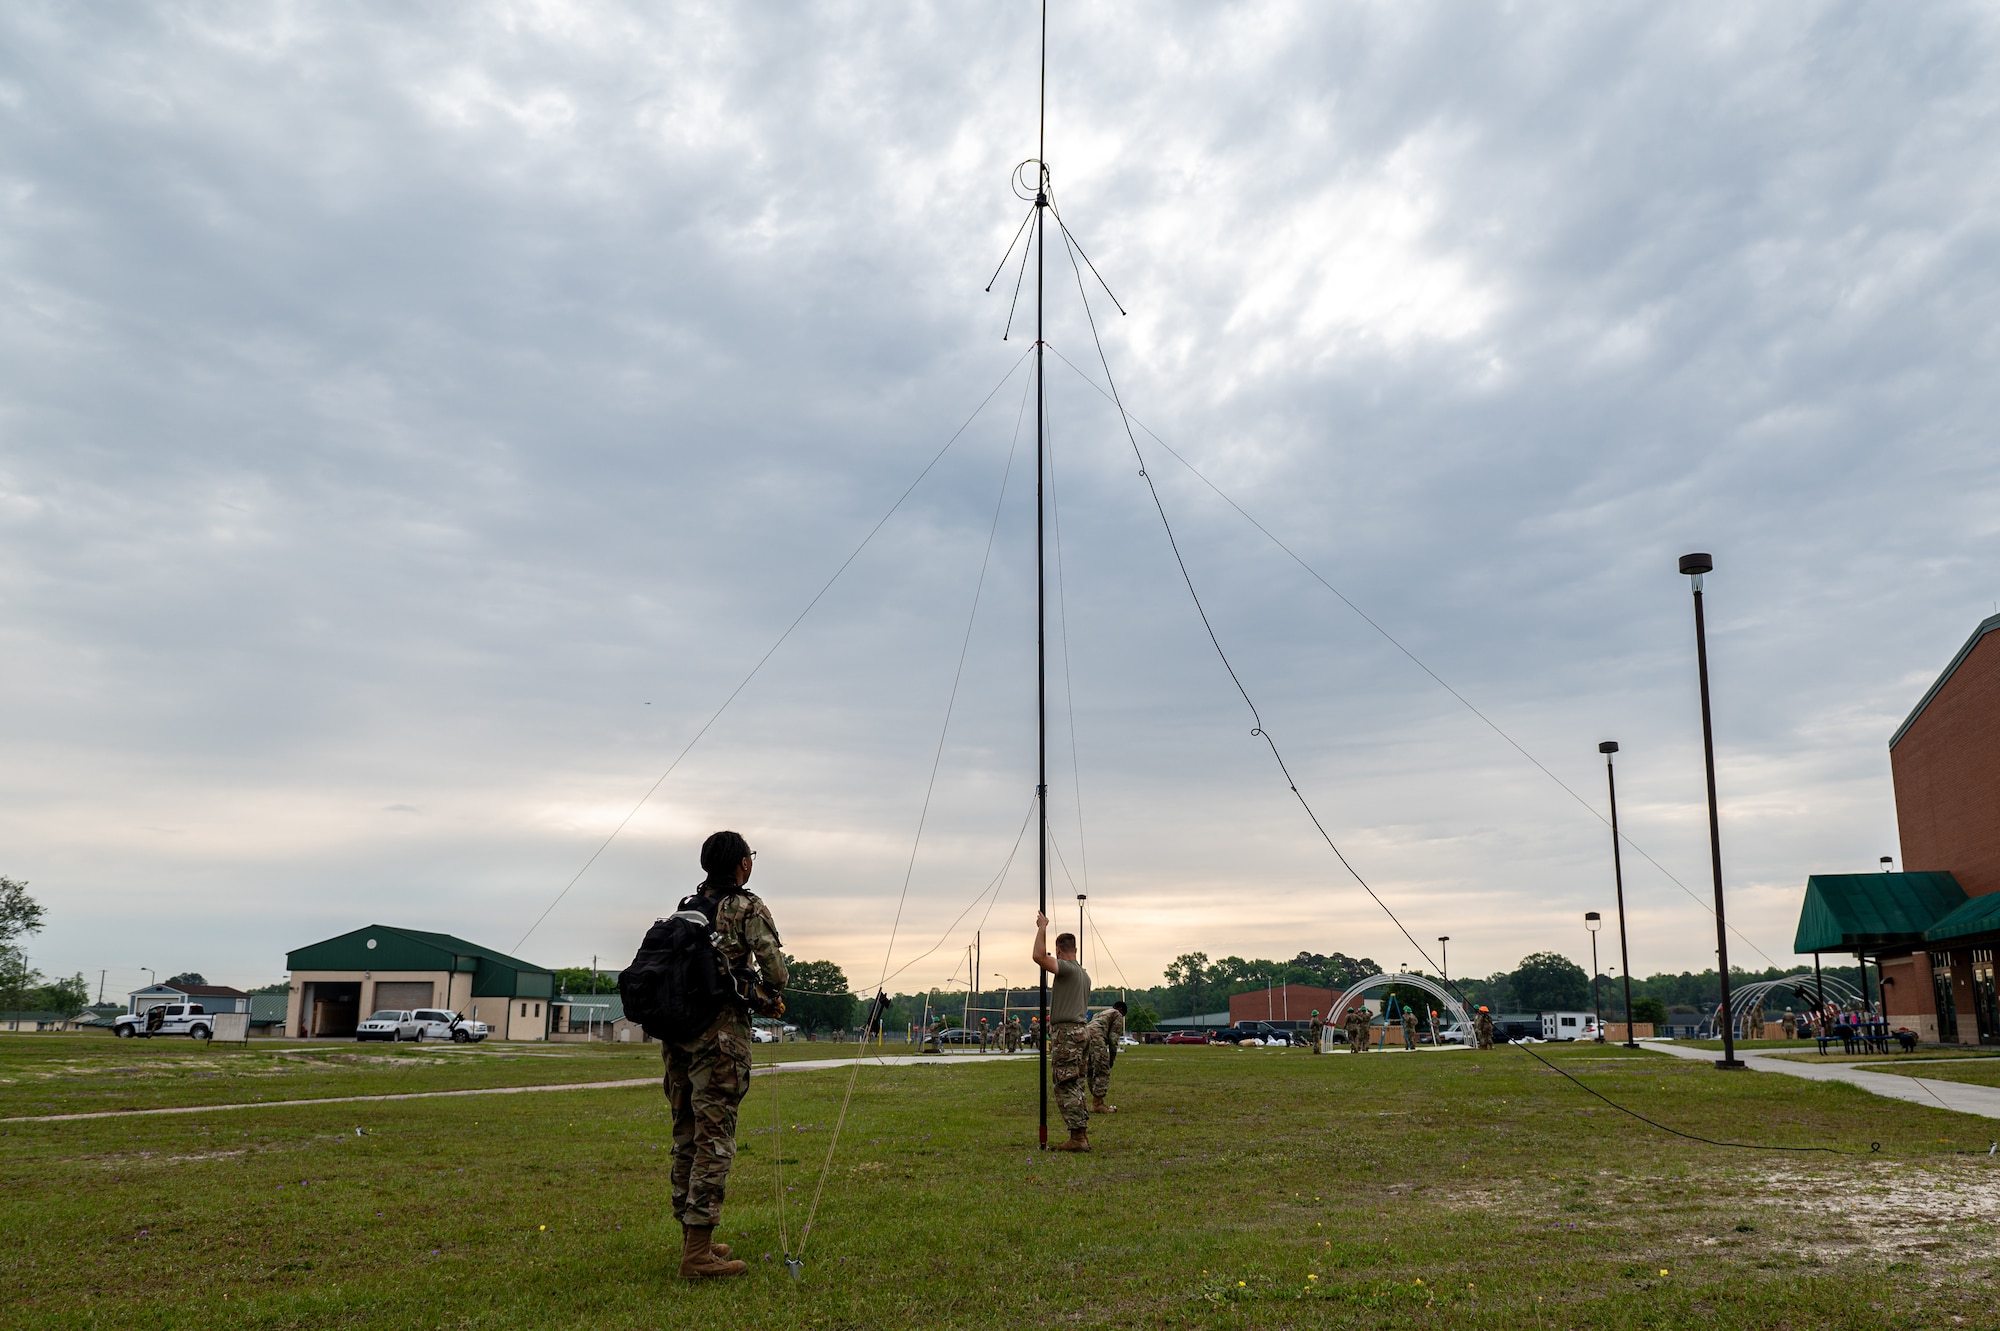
{"points": [[403, 994]]}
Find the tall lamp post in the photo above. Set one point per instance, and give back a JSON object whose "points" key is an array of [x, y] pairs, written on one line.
{"points": [[1444, 958], [1694, 566], [1593, 922], [1607, 748]]}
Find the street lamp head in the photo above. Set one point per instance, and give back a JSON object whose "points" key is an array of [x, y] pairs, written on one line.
{"points": [[1887, 860], [1697, 564], [1592, 921], [1608, 746]]}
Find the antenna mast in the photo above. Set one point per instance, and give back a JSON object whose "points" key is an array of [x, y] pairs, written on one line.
{"points": [[1041, 581]]}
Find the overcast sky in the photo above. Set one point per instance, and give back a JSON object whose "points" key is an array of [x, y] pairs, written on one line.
{"points": [[415, 420]]}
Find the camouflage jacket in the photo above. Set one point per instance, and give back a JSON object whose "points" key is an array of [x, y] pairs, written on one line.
{"points": [[746, 934], [1111, 1025]]}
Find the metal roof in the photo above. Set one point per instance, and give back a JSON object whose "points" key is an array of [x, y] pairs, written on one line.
{"points": [[1980, 915], [1847, 911], [381, 947], [1986, 626]]}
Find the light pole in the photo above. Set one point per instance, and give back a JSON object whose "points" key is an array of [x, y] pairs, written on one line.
{"points": [[1887, 860], [1694, 566], [1593, 922], [1444, 958], [1607, 748], [1004, 992], [1079, 928]]}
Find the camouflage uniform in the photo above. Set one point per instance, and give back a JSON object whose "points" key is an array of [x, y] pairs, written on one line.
{"points": [[1069, 1059], [1357, 1029], [708, 1075], [1013, 1035], [1409, 1029], [1482, 1029], [1101, 1036], [1318, 1028]]}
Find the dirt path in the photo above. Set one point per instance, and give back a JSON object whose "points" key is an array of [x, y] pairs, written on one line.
{"points": [[807, 1065]]}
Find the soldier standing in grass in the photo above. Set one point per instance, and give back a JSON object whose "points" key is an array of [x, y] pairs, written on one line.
{"points": [[1069, 998], [1013, 1035], [1409, 1028], [1318, 1028], [707, 1076], [1482, 1028], [1102, 1035], [1790, 1025], [1357, 1029]]}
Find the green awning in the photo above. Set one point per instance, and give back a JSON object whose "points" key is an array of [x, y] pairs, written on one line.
{"points": [[1980, 915], [1845, 912]]}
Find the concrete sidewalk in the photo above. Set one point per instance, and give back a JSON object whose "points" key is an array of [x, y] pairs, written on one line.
{"points": [[1959, 1096], [802, 1065]]}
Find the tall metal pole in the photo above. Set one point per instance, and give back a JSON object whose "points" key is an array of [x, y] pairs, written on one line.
{"points": [[1596, 1003], [1444, 958], [1079, 930], [1694, 566], [1041, 581], [1607, 748]]}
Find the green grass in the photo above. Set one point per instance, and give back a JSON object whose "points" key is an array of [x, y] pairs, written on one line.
{"points": [[77, 1074], [1979, 1072], [1237, 1188]]}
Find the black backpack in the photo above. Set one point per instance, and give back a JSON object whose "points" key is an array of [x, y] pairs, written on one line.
{"points": [[680, 980]]}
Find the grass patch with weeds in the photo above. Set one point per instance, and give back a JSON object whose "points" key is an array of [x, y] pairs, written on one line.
{"points": [[1235, 1188]]}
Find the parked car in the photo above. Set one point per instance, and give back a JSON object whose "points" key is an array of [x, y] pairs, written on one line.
{"points": [[1188, 1037], [439, 1024], [1261, 1032], [391, 1024], [172, 1019]]}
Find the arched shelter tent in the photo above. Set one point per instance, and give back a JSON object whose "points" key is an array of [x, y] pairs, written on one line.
{"points": [[338, 982], [1800, 992], [1358, 992]]}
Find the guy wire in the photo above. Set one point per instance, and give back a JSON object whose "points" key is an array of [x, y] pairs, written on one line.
{"points": [[1395, 642], [796, 621], [923, 816], [1259, 730]]}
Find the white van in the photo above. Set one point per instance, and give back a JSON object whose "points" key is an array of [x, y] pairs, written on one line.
{"points": [[1569, 1026]]}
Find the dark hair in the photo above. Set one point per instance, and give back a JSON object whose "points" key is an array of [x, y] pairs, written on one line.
{"points": [[721, 856], [1120, 1005], [1065, 941]]}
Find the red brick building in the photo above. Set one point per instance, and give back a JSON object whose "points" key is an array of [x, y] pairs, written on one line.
{"points": [[1284, 1002], [1932, 930]]}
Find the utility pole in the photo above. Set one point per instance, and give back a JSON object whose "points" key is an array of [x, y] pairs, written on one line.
{"points": [[1694, 566], [100, 987], [1607, 748]]}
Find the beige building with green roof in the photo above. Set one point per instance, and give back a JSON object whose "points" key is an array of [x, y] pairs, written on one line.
{"points": [[338, 982]]}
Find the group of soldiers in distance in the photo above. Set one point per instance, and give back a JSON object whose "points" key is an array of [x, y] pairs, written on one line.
{"points": [[1358, 1021]]}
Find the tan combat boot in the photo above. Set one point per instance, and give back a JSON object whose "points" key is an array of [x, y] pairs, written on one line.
{"points": [[719, 1249], [1078, 1141], [1099, 1107], [700, 1260]]}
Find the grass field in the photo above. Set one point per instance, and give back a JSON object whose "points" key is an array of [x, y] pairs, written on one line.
{"points": [[1980, 1072], [1236, 1188]]}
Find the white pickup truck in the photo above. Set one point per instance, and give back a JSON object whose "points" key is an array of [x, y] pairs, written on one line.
{"points": [[396, 1024], [166, 1019]]}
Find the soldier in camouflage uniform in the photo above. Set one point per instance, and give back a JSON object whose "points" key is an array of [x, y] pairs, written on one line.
{"points": [[1069, 999], [1101, 1036], [1357, 1029], [1409, 1028], [1482, 1028], [707, 1076], [1013, 1035], [1317, 1028]]}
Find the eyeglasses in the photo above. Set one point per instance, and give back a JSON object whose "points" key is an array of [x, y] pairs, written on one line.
{"points": [[752, 855]]}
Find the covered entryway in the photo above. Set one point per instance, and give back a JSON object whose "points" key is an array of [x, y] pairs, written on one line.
{"points": [[333, 1009]]}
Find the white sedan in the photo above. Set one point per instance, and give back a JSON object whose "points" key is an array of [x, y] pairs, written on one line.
{"points": [[390, 1024]]}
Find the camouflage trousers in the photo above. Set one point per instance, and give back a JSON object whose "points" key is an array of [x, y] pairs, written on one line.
{"points": [[706, 1080], [1098, 1058], [1357, 1039], [1069, 1060], [1318, 1034]]}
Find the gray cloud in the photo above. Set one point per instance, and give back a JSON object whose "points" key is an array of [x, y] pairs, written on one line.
{"points": [[437, 411]]}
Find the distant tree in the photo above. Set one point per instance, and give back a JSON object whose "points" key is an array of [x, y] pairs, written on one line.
{"points": [[17, 979], [1188, 976], [828, 1006], [1547, 981], [583, 980], [275, 987], [19, 912], [1649, 1009], [187, 977], [68, 997], [1142, 1018]]}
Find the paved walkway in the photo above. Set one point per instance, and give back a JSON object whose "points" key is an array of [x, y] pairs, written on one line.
{"points": [[801, 1065], [1963, 1097]]}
